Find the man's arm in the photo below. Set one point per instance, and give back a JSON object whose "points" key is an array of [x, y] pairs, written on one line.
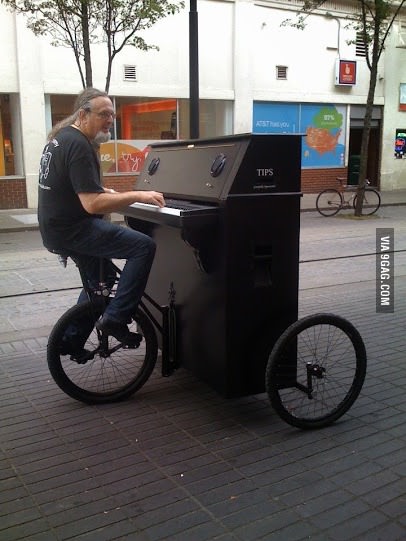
{"points": [[110, 201]]}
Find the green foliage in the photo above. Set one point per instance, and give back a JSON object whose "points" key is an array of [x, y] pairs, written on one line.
{"points": [[373, 22], [50, 18], [79, 23]]}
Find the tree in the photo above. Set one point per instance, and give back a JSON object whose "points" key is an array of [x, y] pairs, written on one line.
{"points": [[78, 24], [121, 20], [373, 22]]}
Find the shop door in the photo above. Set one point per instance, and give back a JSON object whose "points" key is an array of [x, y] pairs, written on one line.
{"points": [[373, 155]]}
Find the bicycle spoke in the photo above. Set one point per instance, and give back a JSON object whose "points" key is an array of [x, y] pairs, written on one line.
{"points": [[327, 375]]}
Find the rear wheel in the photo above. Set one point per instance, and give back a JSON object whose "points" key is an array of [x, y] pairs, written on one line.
{"points": [[371, 202], [329, 202], [316, 370], [105, 371]]}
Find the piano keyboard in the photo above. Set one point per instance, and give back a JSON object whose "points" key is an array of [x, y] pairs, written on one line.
{"points": [[155, 208], [173, 207]]}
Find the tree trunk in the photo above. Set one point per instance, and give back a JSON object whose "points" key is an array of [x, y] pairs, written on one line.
{"points": [[86, 43], [365, 138], [108, 75]]}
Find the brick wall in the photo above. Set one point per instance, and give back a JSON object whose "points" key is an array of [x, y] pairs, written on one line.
{"points": [[120, 183], [315, 180], [13, 194], [312, 180]]}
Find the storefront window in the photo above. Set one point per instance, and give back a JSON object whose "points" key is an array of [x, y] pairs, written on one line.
{"points": [[323, 124], [146, 118], [216, 118], [142, 121], [7, 163]]}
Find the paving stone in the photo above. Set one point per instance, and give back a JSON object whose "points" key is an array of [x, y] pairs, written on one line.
{"points": [[388, 531], [274, 524], [353, 527], [175, 527], [178, 461], [338, 515]]}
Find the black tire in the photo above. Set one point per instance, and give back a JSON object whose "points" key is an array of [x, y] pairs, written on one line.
{"points": [[329, 202], [372, 202], [112, 373], [322, 351]]}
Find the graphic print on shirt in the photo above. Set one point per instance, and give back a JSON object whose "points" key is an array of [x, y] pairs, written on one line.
{"points": [[44, 165]]}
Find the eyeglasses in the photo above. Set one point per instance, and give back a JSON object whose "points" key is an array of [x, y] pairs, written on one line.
{"points": [[105, 115]]}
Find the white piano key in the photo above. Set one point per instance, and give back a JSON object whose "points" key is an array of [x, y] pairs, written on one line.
{"points": [[155, 208]]}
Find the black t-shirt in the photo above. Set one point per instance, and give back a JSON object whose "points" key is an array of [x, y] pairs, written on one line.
{"points": [[69, 166]]}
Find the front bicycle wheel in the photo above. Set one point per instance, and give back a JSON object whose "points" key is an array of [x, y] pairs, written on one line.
{"points": [[329, 202], [316, 370], [371, 202], [106, 371]]}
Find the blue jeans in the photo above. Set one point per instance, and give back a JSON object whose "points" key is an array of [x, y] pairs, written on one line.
{"points": [[100, 238]]}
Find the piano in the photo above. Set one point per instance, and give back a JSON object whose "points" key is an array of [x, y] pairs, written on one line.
{"points": [[176, 213], [227, 250]]}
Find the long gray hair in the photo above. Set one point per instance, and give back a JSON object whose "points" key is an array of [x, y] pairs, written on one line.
{"points": [[82, 102]]}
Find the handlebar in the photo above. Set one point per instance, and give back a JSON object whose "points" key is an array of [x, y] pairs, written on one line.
{"points": [[343, 182]]}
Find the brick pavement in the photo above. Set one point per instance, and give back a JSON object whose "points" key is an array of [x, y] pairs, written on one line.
{"points": [[26, 219], [178, 462]]}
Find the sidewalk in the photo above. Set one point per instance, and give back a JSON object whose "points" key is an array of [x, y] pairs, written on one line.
{"points": [[23, 219], [177, 461]]}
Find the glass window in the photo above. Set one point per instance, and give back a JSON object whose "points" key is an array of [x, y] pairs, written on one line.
{"points": [[142, 121], [7, 158], [216, 118], [61, 107], [146, 118]]}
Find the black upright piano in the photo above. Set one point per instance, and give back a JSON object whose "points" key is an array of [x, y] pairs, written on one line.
{"points": [[227, 250]]}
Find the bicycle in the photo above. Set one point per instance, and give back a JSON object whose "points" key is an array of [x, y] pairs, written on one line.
{"points": [[314, 371], [330, 201], [104, 370]]}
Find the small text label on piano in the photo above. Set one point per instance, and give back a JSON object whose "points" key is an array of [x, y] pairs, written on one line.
{"points": [[265, 172]]}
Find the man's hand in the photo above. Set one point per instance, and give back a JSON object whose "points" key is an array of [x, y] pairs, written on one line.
{"points": [[110, 201], [153, 198]]}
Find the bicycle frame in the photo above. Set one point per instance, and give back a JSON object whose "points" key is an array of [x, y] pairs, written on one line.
{"points": [[331, 200], [167, 329], [297, 376], [347, 203]]}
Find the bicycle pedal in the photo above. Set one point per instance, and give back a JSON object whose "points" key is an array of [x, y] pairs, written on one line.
{"points": [[135, 341], [81, 357]]}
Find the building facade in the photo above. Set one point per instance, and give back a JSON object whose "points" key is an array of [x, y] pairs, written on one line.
{"points": [[255, 75]]}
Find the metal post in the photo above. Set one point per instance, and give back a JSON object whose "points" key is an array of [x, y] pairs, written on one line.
{"points": [[193, 71]]}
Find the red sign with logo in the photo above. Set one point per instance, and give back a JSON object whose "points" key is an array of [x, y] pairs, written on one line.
{"points": [[402, 97], [347, 72]]}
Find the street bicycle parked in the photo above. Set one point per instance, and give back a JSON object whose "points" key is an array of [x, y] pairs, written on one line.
{"points": [[314, 371], [329, 202]]}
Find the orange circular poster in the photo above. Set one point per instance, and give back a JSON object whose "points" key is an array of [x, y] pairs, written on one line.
{"points": [[121, 157]]}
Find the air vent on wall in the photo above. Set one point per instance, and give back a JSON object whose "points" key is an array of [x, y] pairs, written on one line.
{"points": [[402, 35], [130, 73], [360, 49], [281, 72]]}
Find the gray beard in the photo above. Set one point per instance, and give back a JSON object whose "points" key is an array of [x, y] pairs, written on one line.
{"points": [[102, 137]]}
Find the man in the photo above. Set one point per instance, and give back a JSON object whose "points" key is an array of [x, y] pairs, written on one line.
{"points": [[72, 202]]}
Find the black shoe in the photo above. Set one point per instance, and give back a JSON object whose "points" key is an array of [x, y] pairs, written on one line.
{"points": [[119, 331], [82, 356], [78, 354]]}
